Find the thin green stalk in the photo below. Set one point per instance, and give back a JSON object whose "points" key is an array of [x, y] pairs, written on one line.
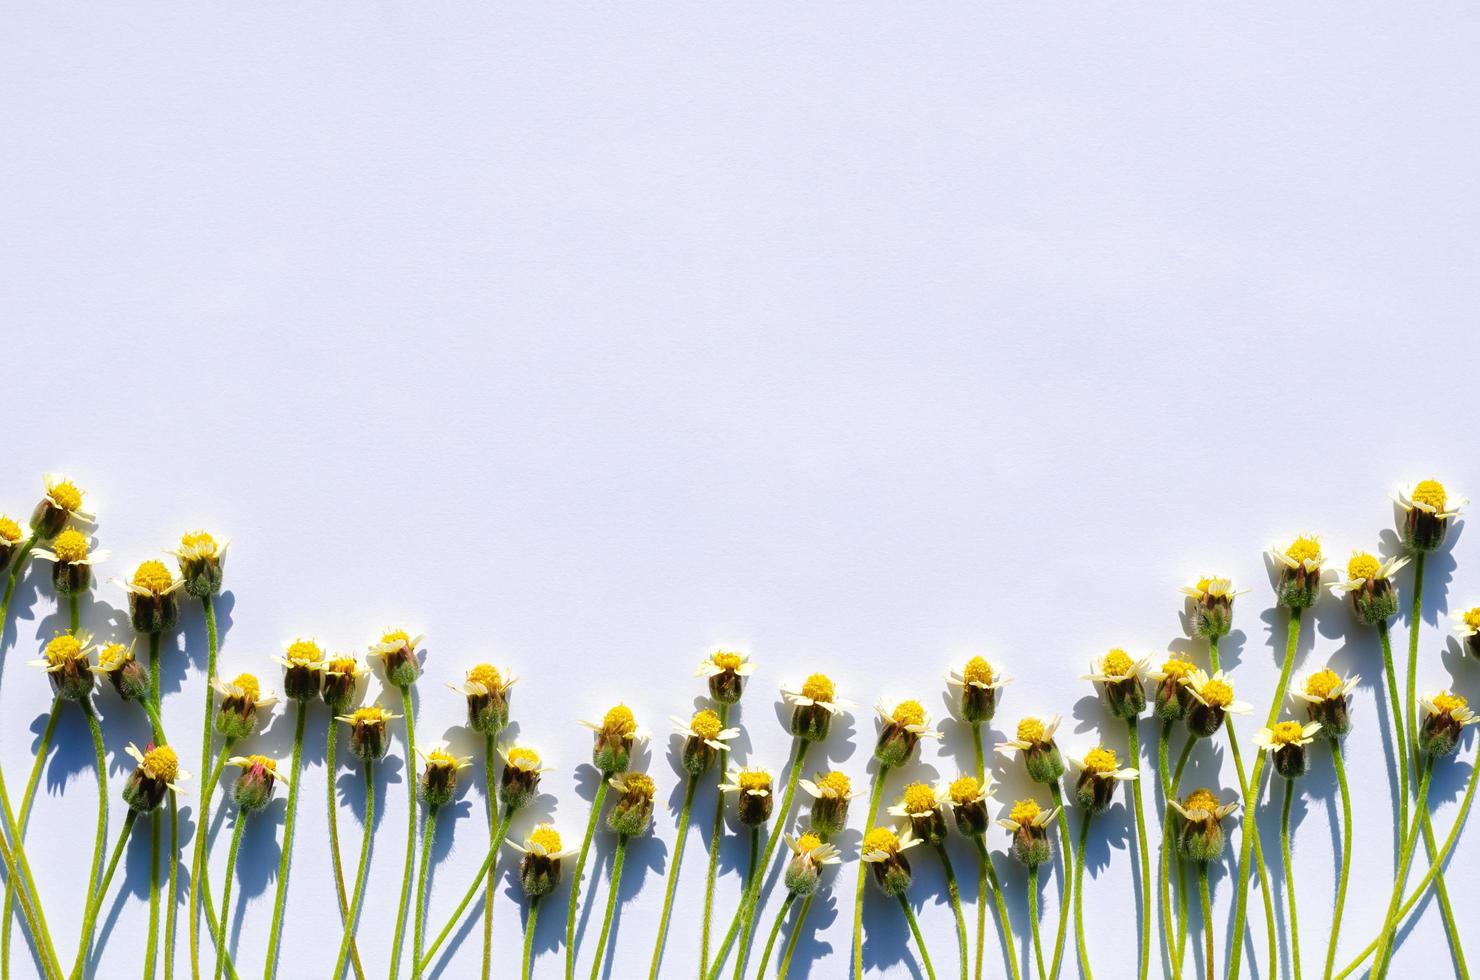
{"points": [[280, 899], [1033, 920], [490, 751], [751, 867], [909, 916], [172, 913], [1168, 853], [1410, 840], [199, 881], [423, 878], [1067, 896], [28, 912], [796, 934], [16, 564], [335, 859], [26, 800], [1133, 790], [236, 843], [1181, 869], [197, 865], [611, 904], [100, 757], [486, 869], [1079, 896], [714, 839], [786, 904], [1346, 855], [1251, 792], [954, 892], [1004, 925], [1207, 916], [151, 946], [873, 814], [529, 923], [672, 889], [352, 920], [1290, 877], [1441, 891], [981, 871], [410, 833], [1398, 731], [575, 880], [74, 611], [95, 898]]}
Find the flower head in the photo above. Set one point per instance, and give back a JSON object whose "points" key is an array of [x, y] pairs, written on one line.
{"points": [[1212, 606], [521, 777], [158, 770], [1467, 628], [1120, 677], [1285, 741], [67, 667], [439, 774], [10, 539], [1327, 699], [303, 663], [1446, 717], [1099, 775], [968, 799], [254, 786], [397, 651], [539, 870], [830, 793], [615, 735], [704, 738], [901, 728], [1427, 507], [72, 557], [1299, 566], [1028, 822], [1369, 582], [752, 786], [1172, 693], [810, 853], [487, 691], [369, 738], [201, 558], [1212, 700], [1200, 835], [241, 699], [921, 805], [814, 703], [1035, 740], [342, 673], [632, 813], [726, 671], [63, 499], [116, 661], [883, 851], [979, 682]]}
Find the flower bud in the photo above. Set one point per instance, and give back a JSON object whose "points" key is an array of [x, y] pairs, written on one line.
{"points": [[1299, 583], [158, 769], [488, 701], [200, 563], [368, 735], [726, 671], [830, 794], [303, 672], [969, 806], [153, 602], [1426, 515], [901, 732], [520, 781], [632, 813], [539, 870], [883, 853], [254, 785], [979, 685], [398, 650], [62, 500], [67, 666], [439, 776], [128, 676], [612, 752]]}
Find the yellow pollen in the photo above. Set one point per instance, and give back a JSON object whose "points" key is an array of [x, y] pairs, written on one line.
{"points": [[1430, 493], [70, 545], [837, 783], [62, 648], [1201, 799], [66, 495], [1286, 733], [1217, 693], [808, 843], [619, 722], [880, 839], [247, 684], [441, 759], [546, 837], [1362, 565], [1472, 618], [725, 660], [112, 656], [1202, 584], [977, 671], [1322, 683], [908, 713], [756, 779], [161, 763], [705, 724], [198, 544], [639, 783], [9, 530], [1030, 730], [342, 665], [1117, 663], [819, 687], [1100, 760], [1177, 667], [965, 790], [1304, 548], [152, 575], [305, 653], [918, 798], [523, 758], [1447, 703], [396, 638], [373, 714], [487, 675], [1023, 811]]}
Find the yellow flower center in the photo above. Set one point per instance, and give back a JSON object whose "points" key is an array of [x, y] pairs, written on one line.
{"points": [[1100, 760], [1448, 703], [1177, 667], [965, 789], [639, 783], [247, 684], [880, 839], [1023, 811], [112, 656], [523, 758], [161, 763], [261, 760], [1219, 694], [808, 843], [1322, 683], [908, 713], [1304, 548], [1030, 730], [705, 724], [9, 530], [342, 665], [977, 671], [305, 653], [619, 722], [837, 783], [547, 837], [1362, 565], [441, 759], [1472, 618], [918, 798], [1286, 733], [66, 495], [70, 545], [487, 675], [152, 575], [1431, 493], [63, 648], [819, 687], [756, 779], [396, 638], [198, 544], [368, 715], [1201, 799], [725, 660], [1117, 663]]}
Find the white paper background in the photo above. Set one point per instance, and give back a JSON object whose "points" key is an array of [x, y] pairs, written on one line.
{"points": [[864, 338]]}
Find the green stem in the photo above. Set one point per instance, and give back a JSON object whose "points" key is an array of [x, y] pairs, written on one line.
{"points": [[74, 611], [751, 866], [954, 892], [236, 843], [1251, 791], [981, 876], [1441, 891], [197, 862], [29, 912], [1168, 852], [100, 758], [529, 923], [873, 814], [26, 800], [1290, 877], [423, 878], [172, 916], [796, 934], [714, 839], [95, 898], [1181, 870], [611, 904], [1004, 925], [752, 896], [760, 972], [352, 920], [490, 751], [909, 916], [1415, 619], [1170, 860], [280, 900], [1133, 790], [1398, 733], [1079, 895], [199, 880], [486, 869], [1346, 855], [151, 946], [16, 564], [1067, 896], [335, 858], [1410, 840], [575, 881], [1207, 916], [406, 875], [1251, 827], [672, 889], [1033, 920]]}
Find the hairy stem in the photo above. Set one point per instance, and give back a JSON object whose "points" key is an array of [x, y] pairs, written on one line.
{"points": [[486, 869], [236, 843], [760, 971], [1004, 925], [714, 839], [1033, 920], [336, 860], [423, 879], [1289, 877], [280, 899], [529, 923], [873, 814], [796, 934], [1344, 872], [400, 934], [95, 899], [672, 889], [490, 752], [1207, 916], [27, 799], [954, 892], [1079, 896], [909, 916], [1133, 790], [1410, 839], [611, 905], [1066, 896], [352, 919], [575, 880]]}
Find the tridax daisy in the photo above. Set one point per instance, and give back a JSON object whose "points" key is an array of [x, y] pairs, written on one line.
{"points": [[72, 557], [1369, 581], [62, 500], [1327, 699], [968, 798], [1285, 741], [303, 669], [903, 725], [397, 651], [158, 770], [1099, 775], [259, 776], [439, 774], [883, 852], [920, 805], [1212, 699], [814, 703], [616, 733], [1299, 566], [241, 700], [704, 738], [809, 855], [1028, 822], [830, 793], [1427, 510], [1200, 838], [487, 693], [200, 558], [752, 786], [726, 671], [1172, 695], [979, 681], [1467, 628], [1212, 606], [1121, 678], [66, 665], [539, 869], [1040, 752], [521, 776], [153, 597], [1446, 717]]}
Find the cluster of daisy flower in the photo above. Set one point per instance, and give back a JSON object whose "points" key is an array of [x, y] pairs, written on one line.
{"points": [[1185, 697]]}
